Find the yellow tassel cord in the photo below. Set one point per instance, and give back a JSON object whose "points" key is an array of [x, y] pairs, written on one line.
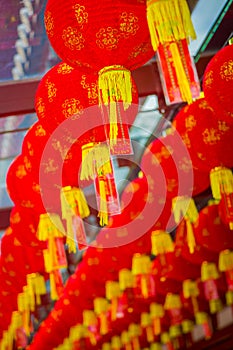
{"points": [[190, 290], [141, 266], [125, 339], [24, 307], [169, 20], [185, 207], [156, 313], [225, 262], [9, 335], [146, 323], [95, 156], [113, 293], [103, 209], [37, 286], [116, 343], [161, 244], [50, 229], [134, 332], [209, 271], [73, 204], [184, 86], [90, 321], [114, 86], [101, 308], [125, 279], [172, 301], [221, 181], [202, 318]]}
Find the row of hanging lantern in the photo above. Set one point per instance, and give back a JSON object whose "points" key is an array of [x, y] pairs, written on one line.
{"points": [[146, 286]]}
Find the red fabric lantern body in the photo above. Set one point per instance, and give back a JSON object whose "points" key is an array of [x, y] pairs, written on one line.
{"points": [[218, 83], [97, 35], [206, 138], [167, 160], [210, 232], [177, 72]]}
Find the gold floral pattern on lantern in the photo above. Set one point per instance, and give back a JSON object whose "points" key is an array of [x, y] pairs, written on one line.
{"points": [[20, 172], [209, 79], [186, 140], [52, 90], [139, 50], [73, 39], [92, 90], [81, 15], [223, 126], [64, 68], [128, 24], [49, 23], [50, 166], [15, 219], [190, 122], [40, 131], [211, 136], [40, 107], [71, 107], [185, 164], [107, 38], [226, 71]]}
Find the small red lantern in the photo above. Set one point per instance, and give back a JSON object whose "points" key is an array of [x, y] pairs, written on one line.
{"points": [[218, 83]]}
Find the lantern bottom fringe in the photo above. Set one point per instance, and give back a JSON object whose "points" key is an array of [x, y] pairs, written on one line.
{"points": [[168, 21], [95, 159]]}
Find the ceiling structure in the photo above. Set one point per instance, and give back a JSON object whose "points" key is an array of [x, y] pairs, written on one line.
{"points": [[25, 56]]}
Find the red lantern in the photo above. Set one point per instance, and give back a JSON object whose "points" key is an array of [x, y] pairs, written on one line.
{"points": [[218, 83], [95, 36], [112, 47], [207, 139]]}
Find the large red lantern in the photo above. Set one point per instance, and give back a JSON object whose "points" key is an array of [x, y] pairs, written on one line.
{"points": [[94, 36], [112, 46], [207, 139], [218, 83]]}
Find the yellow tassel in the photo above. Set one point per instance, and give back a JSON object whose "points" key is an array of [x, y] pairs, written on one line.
{"points": [[114, 86], [53, 287], [125, 279], [169, 20], [172, 301], [190, 236], [184, 86], [184, 206], [221, 181], [141, 264], [103, 210], [161, 242], [225, 262], [73, 203], [209, 271], [50, 225], [95, 156]]}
